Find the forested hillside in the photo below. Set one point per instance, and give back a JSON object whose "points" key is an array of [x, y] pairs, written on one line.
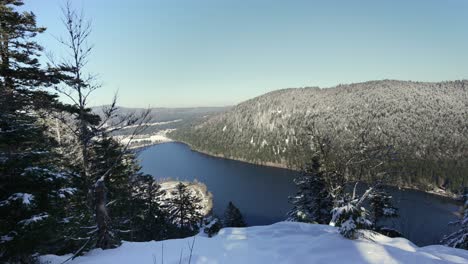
{"points": [[425, 123]]}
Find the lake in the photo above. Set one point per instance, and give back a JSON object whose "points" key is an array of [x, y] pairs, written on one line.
{"points": [[261, 192]]}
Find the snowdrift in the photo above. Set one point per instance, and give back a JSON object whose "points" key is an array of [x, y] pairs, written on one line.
{"points": [[284, 242]]}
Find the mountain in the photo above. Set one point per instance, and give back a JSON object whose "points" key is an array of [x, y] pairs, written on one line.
{"points": [[163, 118], [284, 242], [426, 123]]}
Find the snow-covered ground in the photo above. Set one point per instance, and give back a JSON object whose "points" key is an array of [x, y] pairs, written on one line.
{"points": [[144, 124], [284, 242], [145, 140]]}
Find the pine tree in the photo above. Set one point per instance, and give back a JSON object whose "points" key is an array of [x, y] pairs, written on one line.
{"points": [[149, 218], [349, 214], [211, 225], [233, 217], [33, 188], [312, 202], [459, 238], [184, 209], [128, 194], [105, 167], [350, 217], [381, 207]]}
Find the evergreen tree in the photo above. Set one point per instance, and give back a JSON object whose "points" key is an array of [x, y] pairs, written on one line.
{"points": [[127, 195], [105, 167], [312, 202], [33, 187], [233, 217], [350, 217], [184, 209], [149, 218], [211, 225], [381, 206], [107, 155], [90, 222], [459, 238]]}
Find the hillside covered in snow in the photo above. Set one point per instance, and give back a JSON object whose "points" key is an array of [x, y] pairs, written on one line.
{"points": [[425, 123], [284, 242]]}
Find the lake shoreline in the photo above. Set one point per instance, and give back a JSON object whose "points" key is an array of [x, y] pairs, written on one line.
{"points": [[261, 192], [438, 192]]}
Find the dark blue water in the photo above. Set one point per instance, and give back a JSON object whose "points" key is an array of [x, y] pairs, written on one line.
{"points": [[261, 193]]}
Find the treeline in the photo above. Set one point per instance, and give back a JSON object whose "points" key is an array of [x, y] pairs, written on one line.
{"points": [[66, 186], [426, 124]]}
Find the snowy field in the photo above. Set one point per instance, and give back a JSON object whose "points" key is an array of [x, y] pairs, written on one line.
{"points": [[146, 139], [283, 242]]}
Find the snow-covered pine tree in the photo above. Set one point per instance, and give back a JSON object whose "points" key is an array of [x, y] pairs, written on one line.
{"points": [[459, 238], [233, 217], [350, 216], [184, 209], [312, 202], [33, 188]]}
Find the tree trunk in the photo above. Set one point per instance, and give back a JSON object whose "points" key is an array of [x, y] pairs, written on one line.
{"points": [[104, 240]]}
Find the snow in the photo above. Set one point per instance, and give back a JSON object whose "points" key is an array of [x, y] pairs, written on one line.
{"points": [[5, 238], [389, 211], [34, 219], [66, 191], [109, 128], [146, 139], [39, 170], [26, 199], [284, 242]]}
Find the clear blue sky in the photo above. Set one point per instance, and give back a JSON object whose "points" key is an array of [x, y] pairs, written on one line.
{"points": [[213, 52]]}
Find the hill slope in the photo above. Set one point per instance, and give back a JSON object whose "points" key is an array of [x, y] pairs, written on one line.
{"points": [[284, 242], [427, 123]]}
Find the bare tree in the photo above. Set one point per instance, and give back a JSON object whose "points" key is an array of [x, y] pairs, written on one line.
{"points": [[87, 127]]}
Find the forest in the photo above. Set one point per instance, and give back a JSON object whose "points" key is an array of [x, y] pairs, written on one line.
{"points": [[424, 124], [66, 185]]}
